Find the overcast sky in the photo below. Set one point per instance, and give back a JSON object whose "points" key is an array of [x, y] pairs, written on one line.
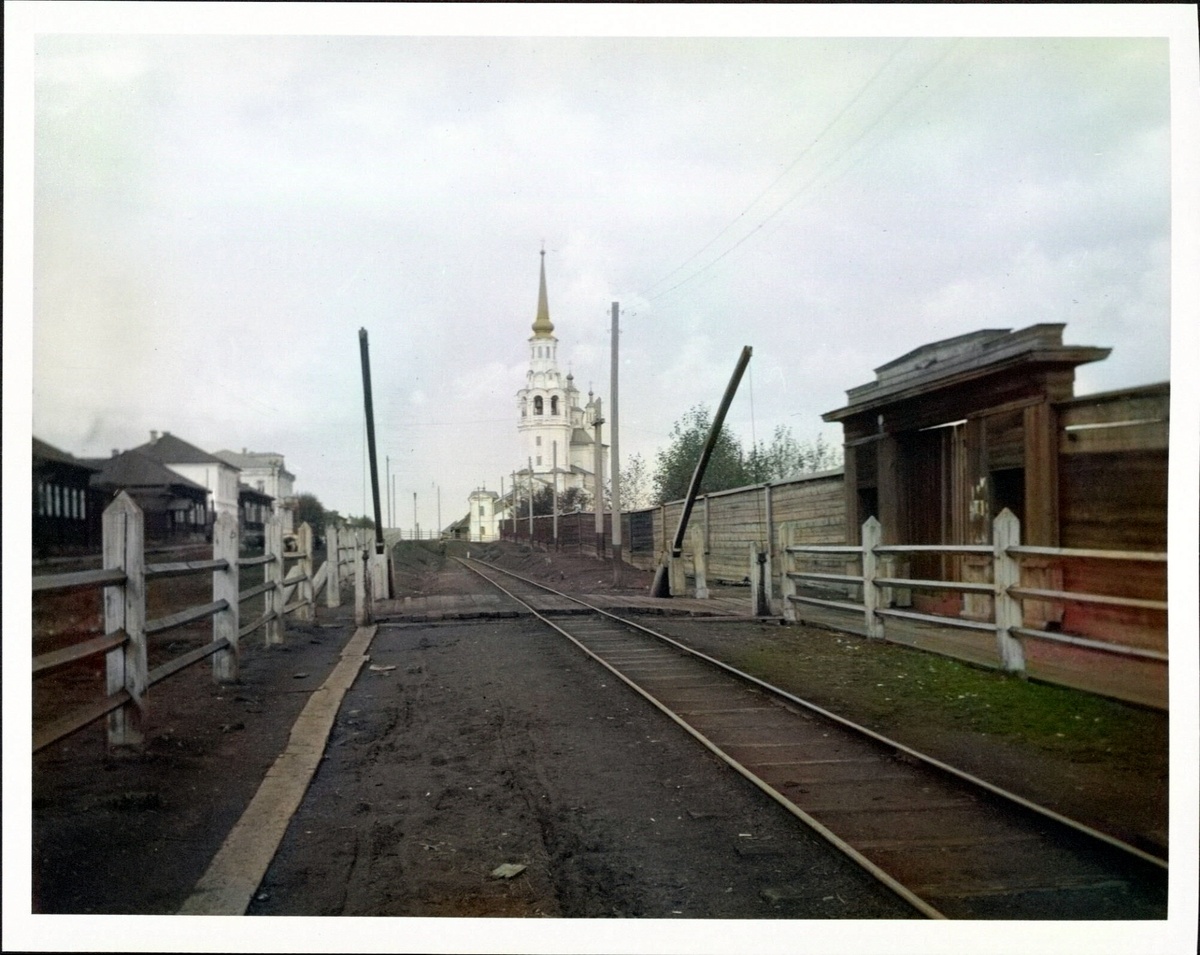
{"points": [[216, 216]]}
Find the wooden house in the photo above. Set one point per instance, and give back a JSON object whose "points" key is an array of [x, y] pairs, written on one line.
{"points": [[66, 508], [951, 434], [175, 508]]}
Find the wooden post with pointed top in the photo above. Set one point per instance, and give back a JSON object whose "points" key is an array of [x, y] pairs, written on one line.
{"points": [[225, 587], [125, 610]]}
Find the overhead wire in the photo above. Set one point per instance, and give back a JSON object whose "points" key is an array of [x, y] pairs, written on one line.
{"points": [[816, 176], [792, 165]]}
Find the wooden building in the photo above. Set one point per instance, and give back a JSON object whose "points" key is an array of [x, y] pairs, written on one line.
{"points": [[175, 508], [951, 434], [66, 509]]}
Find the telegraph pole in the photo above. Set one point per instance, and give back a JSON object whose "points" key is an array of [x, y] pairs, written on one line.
{"points": [[599, 466], [615, 467], [554, 475], [531, 501], [364, 352]]}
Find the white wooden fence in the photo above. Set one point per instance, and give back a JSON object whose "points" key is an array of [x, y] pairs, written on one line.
{"points": [[290, 587], [870, 595]]}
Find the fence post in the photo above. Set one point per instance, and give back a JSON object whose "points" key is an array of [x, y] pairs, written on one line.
{"points": [[760, 603], [273, 632], [125, 609], [1006, 572], [304, 590], [333, 559], [787, 586], [700, 561], [872, 535], [363, 614], [225, 587]]}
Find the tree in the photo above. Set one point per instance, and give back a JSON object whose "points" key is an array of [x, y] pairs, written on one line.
{"points": [[310, 511], [785, 457], [677, 462], [637, 490], [571, 499]]}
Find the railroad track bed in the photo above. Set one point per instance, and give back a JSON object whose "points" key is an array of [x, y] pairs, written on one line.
{"points": [[948, 844]]}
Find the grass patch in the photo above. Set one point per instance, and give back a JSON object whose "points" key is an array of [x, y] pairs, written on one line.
{"points": [[884, 682]]}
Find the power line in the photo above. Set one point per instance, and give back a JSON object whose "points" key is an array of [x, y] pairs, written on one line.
{"points": [[813, 179]]}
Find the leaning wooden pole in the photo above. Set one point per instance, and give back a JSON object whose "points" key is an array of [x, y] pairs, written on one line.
{"points": [[662, 584], [366, 375]]}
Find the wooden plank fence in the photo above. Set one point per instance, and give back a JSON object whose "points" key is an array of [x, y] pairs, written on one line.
{"points": [[290, 587], [1130, 663]]}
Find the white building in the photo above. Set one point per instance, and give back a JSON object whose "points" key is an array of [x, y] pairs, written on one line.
{"points": [[209, 471], [483, 515], [557, 434], [265, 471]]}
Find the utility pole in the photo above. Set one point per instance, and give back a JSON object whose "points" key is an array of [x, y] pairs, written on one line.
{"points": [[416, 526], [615, 467], [389, 490], [364, 352], [554, 475], [439, 499], [599, 466], [531, 500], [514, 504]]}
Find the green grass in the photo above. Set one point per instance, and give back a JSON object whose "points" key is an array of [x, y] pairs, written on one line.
{"points": [[885, 683]]}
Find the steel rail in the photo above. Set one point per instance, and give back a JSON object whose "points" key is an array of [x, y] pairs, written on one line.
{"points": [[841, 845], [995, 790]]}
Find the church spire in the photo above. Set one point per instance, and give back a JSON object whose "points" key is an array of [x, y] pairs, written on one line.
{"points": [[542, 326]]}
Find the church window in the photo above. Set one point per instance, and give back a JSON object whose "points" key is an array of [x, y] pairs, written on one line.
{"points": [[481, 510], [539, 441], [539, 460], [537, 404], [554, 404]]}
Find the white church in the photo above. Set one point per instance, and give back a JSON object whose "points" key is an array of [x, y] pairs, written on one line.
{"points": [[557, 435]]}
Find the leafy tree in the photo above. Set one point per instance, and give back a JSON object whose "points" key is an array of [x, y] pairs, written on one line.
{"points": [[637, 489], [310, 511], [677, 462], [570, 499], [785, 456]]}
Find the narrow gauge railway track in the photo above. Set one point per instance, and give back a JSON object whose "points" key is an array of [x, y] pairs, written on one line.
{"points": [[951, 845]]}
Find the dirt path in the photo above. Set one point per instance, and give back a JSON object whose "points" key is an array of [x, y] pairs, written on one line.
{"points": [[498, 743]]}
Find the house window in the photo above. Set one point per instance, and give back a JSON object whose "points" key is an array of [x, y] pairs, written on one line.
{"points": [[537, 404], [554, 404]]}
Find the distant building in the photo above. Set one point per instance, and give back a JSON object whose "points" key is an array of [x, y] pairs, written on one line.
{"points": [[174, 508], [264, 471], [482, 518], [207, 470], [254, 508], [556, 433], [66, 508], [558, 444]]}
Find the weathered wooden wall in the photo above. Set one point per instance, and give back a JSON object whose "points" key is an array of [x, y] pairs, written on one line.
{"points": [[734, 520]]}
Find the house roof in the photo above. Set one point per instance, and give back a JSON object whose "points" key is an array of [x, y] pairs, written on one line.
{"points": [[964, 358], [253, 494], [137, 469], [169, 449], [245, 460], [47, 452]]}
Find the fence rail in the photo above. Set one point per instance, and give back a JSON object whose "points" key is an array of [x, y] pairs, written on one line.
{"points": [[122, 585], [1011, 601]]}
